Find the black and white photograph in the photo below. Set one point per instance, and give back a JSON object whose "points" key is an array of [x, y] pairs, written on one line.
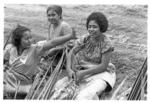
{"points": [[75, 52]]}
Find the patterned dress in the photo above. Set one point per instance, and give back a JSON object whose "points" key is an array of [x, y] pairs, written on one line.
{"points": [[22, 68], [92, 51], [91, 86]]}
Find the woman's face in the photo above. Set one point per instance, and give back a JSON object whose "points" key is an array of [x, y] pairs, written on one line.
{"points": [[53, 17], [26, 39], [93, 28]]}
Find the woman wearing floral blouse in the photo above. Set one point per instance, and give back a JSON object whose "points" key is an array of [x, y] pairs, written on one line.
{"points": [[89, 61]]}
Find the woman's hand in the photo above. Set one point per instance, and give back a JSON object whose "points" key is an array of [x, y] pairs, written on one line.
{"points": [[57, 41], [79, 77], [73, 35], [71, 74]]}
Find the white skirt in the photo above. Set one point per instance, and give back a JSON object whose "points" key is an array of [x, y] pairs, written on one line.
{"points": [[89, 88]]}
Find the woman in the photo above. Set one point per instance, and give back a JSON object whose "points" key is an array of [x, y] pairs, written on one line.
{"points": [[57, 26], [24, 57], [89, 61]]}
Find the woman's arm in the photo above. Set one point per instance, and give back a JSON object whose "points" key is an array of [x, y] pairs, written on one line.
{"points": [[53, 51], [70, 59], [57, 41], [13, 55], [94, 69]]}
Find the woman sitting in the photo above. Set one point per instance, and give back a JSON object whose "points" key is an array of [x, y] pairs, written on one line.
{"points": [[57, 26], [24, 57], [89, 62]]}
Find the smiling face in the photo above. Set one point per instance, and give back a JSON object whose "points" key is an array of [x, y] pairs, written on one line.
{"points": [[26, 39], [53, 17], [93, 28]]}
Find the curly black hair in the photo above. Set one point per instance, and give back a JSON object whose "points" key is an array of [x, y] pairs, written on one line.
{"points": [[100, 19], [17, 34]]}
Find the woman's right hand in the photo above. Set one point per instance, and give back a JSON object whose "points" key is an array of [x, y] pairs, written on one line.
{"points": [[71, 74]]}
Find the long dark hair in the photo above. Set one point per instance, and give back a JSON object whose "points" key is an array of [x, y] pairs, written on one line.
{"points": [[17, 35]]}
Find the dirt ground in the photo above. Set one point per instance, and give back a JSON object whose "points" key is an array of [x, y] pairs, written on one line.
{"points": [[127, 30]]}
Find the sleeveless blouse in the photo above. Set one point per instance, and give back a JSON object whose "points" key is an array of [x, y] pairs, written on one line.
{"points": [[62, 29]]}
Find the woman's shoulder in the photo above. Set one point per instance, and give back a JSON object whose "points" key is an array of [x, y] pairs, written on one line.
{"points": [[107, 44], [8, 51], [107, 40], [65, 28], [11, 48], [65, 24]]}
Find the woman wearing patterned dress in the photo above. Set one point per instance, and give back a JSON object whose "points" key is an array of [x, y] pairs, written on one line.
{"points": [[89, 61], [24, 57]]}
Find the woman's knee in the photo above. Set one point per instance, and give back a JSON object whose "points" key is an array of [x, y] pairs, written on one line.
{"points": [[85, 95], [92, 91]]}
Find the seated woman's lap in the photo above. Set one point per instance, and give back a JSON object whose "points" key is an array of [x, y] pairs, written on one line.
{"points": [[89, 88]]}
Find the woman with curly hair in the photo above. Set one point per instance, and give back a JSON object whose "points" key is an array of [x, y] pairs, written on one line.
{"points": [[89, 63]]}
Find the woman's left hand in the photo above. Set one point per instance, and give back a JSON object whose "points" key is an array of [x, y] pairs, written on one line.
{"points": [[79, 76]]}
